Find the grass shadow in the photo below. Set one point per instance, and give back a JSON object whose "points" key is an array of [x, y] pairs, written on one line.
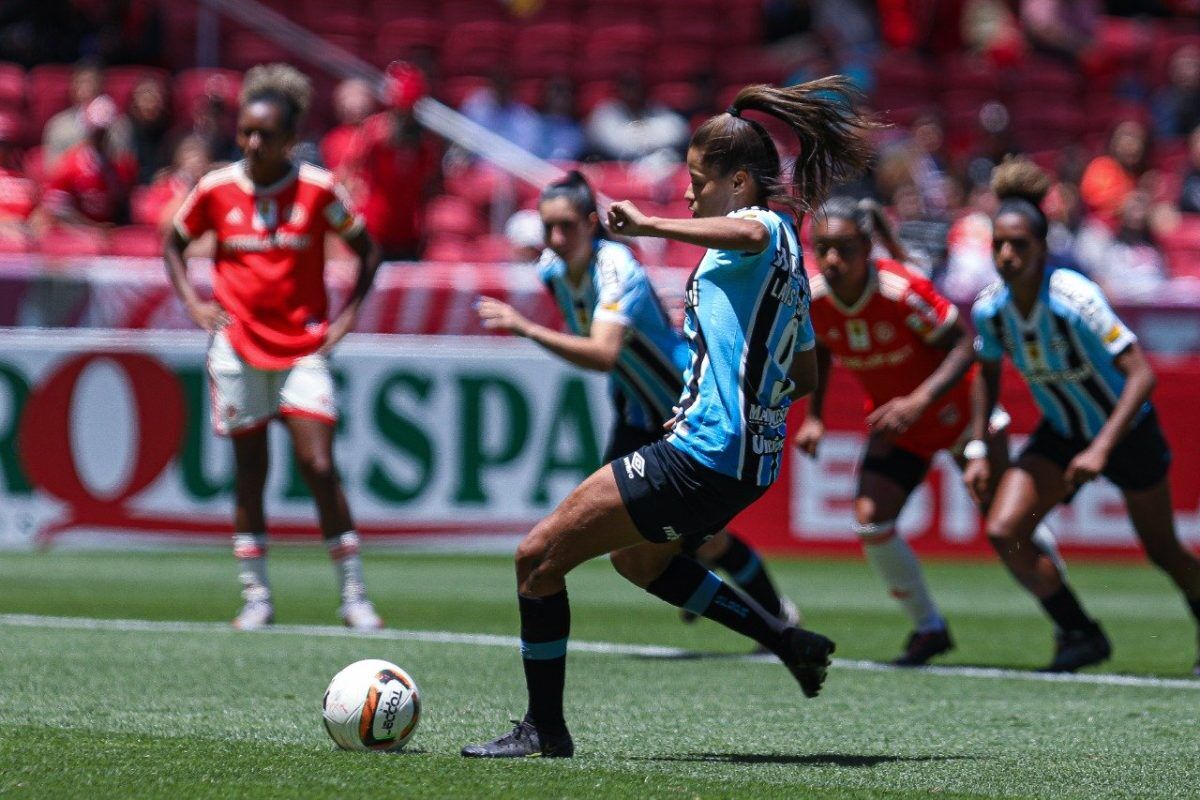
{"points": [[810, 759]]}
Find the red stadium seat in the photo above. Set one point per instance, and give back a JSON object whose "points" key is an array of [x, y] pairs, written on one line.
{"points": [[447, 214], [680, 254], [681, 96], [33, 165], [476, 48], [193, 84], [492, 249], [245, 49], [1046, 77], [622, 42], [593, 93], [119, 82], [49, 92], [550, 37], [970, 73], [454, 11], [73, 241], [617, 180], [530, 91], [141, 241], [451, 248], [453, 91], [400, 38], [748, 65], [681, 62], [12, 87]]}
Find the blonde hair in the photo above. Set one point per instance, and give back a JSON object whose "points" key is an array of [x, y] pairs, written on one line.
{"points": [[282, 84], [1018, 177]]}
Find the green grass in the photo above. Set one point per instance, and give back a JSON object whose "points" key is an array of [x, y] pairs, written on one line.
{"points": [[218, 714]]}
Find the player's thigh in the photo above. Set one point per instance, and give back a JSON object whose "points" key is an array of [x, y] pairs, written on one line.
{"points": [[241, 395], [1027, 492], [1153, 519], [307, 391], [590, 522], [887, 477], [312, 441]]}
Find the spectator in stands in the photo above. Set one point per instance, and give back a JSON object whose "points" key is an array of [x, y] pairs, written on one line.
{"points": [[18, 194], [1062, 28], [126, 32], [928, 164], [1189, 196], [1176, 106], [495, 108], [353, 103], [150, 123], [88, 186], [1110, 178], [628, 128], [396, 166], [1127, 264], [170, 188], [213, 121], [67, 128], [527, 235], [562, 136], [1065, 214], [994, 142]]}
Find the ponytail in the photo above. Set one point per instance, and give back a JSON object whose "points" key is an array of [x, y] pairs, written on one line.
{"points": [[574, 187]]}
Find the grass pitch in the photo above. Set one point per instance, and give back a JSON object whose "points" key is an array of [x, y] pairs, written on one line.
{"points": [[196, 710]]}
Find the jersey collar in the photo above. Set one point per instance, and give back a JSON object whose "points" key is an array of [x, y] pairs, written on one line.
{"points": [[242, 178], [868, 292], [1042, 299]]}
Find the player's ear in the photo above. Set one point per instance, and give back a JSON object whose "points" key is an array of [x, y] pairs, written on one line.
{"points": [[593, 221], [740, 181]]}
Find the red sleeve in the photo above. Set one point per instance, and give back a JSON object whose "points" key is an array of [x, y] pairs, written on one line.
{"points": [[339, 213], [193, 218], [929, 312]]}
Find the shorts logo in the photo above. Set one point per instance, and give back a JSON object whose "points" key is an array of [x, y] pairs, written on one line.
{"points": [[670, 533], [635, 463]]}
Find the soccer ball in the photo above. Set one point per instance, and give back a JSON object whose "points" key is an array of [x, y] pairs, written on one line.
{"points": [[371, 705]]}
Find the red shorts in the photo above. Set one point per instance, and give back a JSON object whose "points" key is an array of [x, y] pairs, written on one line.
{"points": [[941, 427]]}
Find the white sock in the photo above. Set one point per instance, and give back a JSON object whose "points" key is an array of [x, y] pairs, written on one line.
{"points": [[250, 550], [347, 564], [1043, 537], [894, 561]]}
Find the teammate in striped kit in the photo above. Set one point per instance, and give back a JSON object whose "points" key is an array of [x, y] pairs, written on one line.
{"points": [[269, 326], [751, 354], [1092, 383], [617, 324]]}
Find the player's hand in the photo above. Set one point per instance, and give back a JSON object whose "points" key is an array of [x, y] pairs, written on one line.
{"points": [[497, 315], [978, 477], [896, 415], [669, 425], [209, 316], [337, 331], [809, 438], [1086, 466], [625, 218]]}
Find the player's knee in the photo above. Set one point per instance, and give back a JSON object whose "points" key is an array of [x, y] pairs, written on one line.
{"points": [[875, 532], [318, 469], [1164, 555], [531, 557], [635, 567]]}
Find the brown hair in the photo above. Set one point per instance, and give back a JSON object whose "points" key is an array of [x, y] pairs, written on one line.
{"points": [[833, 145], [281, 84], [1021, 185]]}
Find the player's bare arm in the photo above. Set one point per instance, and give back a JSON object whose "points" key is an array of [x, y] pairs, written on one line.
{"points": [[985, 393], [598, 351], [899, 414], [206, 314], [369, 256], [1139, 384], [717, 233], [812, 430]]}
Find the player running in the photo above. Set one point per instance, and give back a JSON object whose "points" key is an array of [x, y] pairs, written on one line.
{"points": [[1092, 383], [751, 349], [617, 325], [270, 335], [911, 353]]}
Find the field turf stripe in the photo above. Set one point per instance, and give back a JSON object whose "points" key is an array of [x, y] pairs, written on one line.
{"points": [[607, 648]]}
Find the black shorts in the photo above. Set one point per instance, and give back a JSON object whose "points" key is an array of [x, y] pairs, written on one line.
{"points": [[1139, 461], [670, 496], [899, 465], [627, 438]]}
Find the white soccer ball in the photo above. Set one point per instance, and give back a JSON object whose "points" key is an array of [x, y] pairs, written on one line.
{"points": [[371, 705]]}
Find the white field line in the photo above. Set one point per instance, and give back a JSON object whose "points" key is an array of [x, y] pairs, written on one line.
{"points": [[607, 648]]}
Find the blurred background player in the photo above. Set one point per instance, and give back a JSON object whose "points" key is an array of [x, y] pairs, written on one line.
{"points": [[617, 325], [908, 348], [751, 344], [270, 331], [1092, 383]]}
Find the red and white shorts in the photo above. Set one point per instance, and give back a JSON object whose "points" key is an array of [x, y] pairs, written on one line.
{"points": [[245, 398]]}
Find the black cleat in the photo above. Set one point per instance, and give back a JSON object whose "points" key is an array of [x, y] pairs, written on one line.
{"points": [[922, 646], [806, 655], [523, 741], [687, 617], [1077, 649]]}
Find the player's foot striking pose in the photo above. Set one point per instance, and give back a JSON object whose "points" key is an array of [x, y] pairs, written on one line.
{"points": [[270, 334], [616, 324], [909, 350], [751, 344], [1092, 383]]}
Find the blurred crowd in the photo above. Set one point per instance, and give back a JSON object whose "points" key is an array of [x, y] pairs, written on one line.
{"points": [[106, 173]]}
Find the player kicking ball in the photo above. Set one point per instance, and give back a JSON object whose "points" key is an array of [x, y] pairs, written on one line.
{"points": [[270, 336], [751, 348]]}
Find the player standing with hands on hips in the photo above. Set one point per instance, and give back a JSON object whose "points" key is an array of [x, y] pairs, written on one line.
{"points": [[751, 345], [1092, 382], [270, 333]]}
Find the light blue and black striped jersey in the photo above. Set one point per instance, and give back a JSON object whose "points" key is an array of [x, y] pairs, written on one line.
{"points": [[1064, 349], [747, 315], [648, 378]]}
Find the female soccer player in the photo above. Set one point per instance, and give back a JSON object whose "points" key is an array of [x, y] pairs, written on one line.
{"points": [[751, 343], [617, 325], [911, 353], [1092, 383], [270, 336]]}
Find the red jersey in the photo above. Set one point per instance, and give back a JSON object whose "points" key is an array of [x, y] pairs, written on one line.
{"points": [[97, 187], [269, 270], [884, 338]]}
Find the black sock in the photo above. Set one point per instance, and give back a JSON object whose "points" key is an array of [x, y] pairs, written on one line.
{"points": [[1063, 607], [545, 626], [747, 571], [687, 584], [1194, 605]]}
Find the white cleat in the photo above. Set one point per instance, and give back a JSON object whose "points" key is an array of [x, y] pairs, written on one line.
{"points": [[255, 615], [788, 613], [360, 615]]}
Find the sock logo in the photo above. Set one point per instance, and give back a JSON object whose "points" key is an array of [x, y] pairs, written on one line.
{"points": [[670, 533], [635, 463]]}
